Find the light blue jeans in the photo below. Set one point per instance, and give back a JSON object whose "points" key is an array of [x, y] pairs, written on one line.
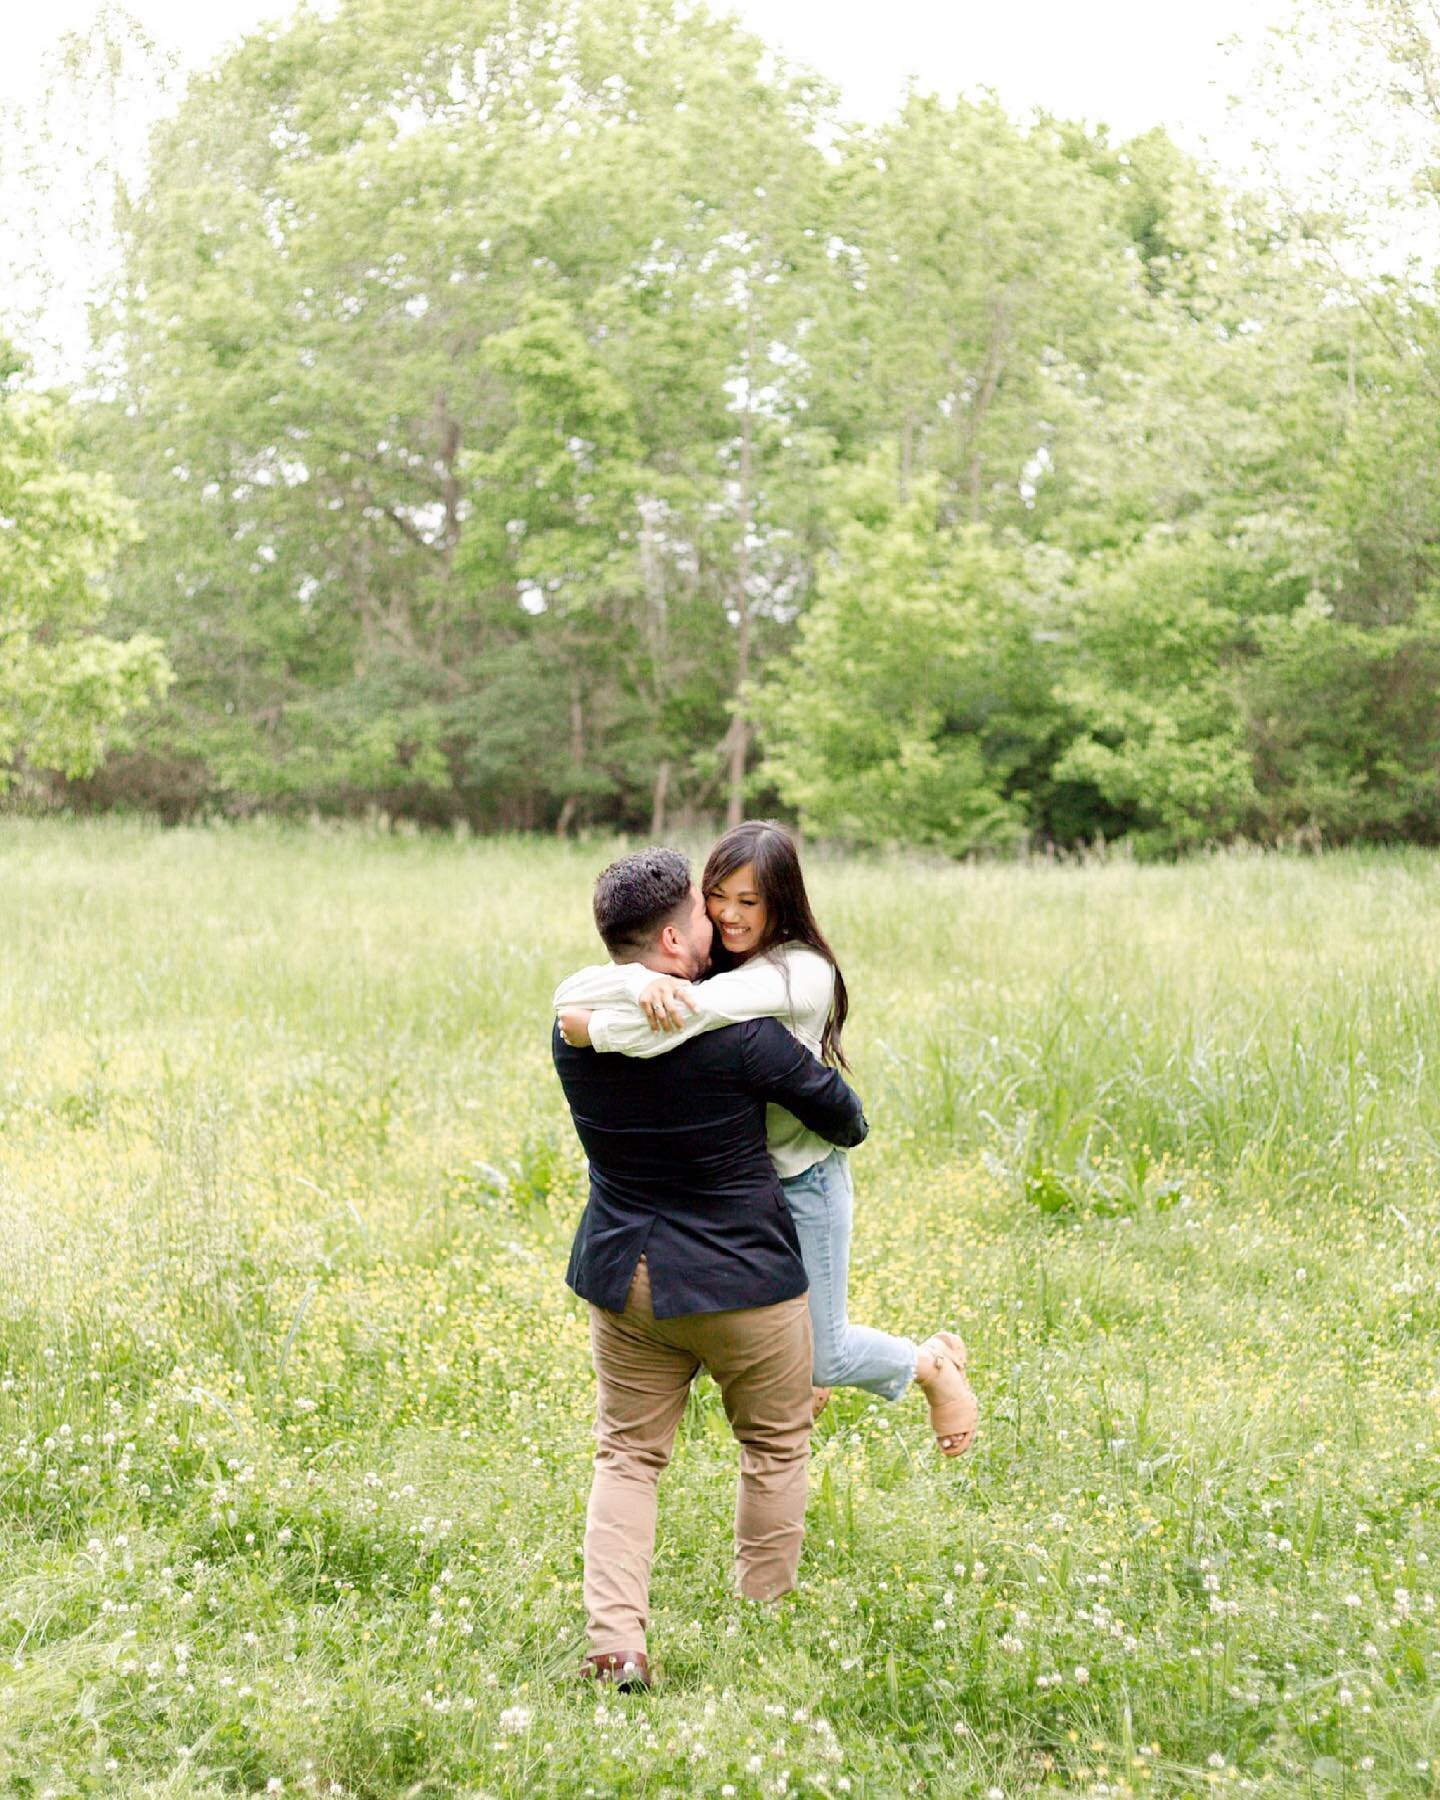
{"points": [[822, 1202]]}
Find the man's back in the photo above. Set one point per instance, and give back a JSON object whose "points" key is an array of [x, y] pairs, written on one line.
{"points": [[679, 1171]]}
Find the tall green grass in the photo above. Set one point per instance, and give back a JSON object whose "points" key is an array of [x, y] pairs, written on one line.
{"points": [[294, 1407]]}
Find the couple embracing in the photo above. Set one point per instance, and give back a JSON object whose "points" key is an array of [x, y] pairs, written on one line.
{"points": [[702, 1069]]}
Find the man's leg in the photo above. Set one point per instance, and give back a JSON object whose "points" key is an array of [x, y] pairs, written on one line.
{"points": [[760, 1359], [642, 1385]]}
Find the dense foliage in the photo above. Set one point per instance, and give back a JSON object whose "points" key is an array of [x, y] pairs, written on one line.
{"points": [[64, 687], [546, 415]]}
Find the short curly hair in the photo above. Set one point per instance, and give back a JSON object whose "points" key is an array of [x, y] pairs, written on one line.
{"points": [[637, 896]]}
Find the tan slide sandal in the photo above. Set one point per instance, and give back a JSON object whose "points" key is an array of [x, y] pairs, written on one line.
{"points": [[954, 1410]]}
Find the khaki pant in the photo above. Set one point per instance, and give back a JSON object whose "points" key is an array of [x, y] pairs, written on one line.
{"points": [[760, 1359]]}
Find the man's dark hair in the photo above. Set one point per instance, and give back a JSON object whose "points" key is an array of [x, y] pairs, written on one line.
{"points": [[637, 896]]}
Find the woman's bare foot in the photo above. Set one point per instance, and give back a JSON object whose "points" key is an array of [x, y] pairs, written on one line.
{"points": [[954, 1410], [819, 1400]]}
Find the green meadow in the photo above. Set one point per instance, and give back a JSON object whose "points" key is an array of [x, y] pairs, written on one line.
{"points": [[295, 1407]]}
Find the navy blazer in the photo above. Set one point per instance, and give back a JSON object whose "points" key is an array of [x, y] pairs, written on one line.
{"points": [[679, 1172]]}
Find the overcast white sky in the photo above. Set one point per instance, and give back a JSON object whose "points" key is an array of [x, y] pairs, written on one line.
{"points": [[1131, 63]]}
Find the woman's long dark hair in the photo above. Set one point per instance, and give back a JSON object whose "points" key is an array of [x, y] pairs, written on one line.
{"points": [[788, 919]]}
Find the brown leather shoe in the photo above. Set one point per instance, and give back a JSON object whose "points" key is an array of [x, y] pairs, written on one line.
{"points": [[626, 1671]]}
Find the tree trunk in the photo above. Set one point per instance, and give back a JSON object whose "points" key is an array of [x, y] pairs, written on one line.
{"points": [[652, 572], [577, 754], [447, 434], [447, 467], [739, 724], [975, 416], [657, 805]]}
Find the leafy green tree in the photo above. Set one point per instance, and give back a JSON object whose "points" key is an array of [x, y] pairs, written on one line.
{"points": [[525, 412], [1167, 493], [1343, 727], [1150, 686], [989, 288], [917, 701], [441, 330], [65, 689]]}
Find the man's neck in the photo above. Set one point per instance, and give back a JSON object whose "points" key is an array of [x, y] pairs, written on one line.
{"points": [[657, 962]]}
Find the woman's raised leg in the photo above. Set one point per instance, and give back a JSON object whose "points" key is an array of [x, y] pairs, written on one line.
{"points": [[821, 1204]]}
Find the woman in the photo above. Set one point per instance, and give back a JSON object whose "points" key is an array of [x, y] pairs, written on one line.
{"points": [[774, 962]]}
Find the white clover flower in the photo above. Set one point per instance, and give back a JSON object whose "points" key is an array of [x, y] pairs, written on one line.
{"points": [[515, 1718]]}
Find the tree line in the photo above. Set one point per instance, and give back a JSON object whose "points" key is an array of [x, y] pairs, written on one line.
{"points": [[555, 415]]}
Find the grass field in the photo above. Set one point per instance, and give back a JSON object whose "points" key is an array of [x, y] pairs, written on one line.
{"points": [[294, 1406]]}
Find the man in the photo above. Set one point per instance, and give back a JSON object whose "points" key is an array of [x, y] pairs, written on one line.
{"points": [[689, 1259]]}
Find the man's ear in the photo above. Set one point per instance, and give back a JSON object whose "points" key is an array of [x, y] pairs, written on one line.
{"points": [[668, 942]]}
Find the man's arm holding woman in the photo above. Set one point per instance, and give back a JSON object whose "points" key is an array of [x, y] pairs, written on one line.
{"points": [[792, 985]]}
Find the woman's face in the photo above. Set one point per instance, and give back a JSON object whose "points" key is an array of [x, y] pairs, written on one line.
{"points": [[737, 911]]}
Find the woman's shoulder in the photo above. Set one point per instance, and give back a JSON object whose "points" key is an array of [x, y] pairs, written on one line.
{"points": [[797, 955], [801, 963]]}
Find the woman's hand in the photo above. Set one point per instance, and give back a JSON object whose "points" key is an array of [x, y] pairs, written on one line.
{"points": [[662, 1000], [575, 1026]]}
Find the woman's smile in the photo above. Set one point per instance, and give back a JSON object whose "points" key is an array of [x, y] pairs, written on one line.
{"points": [[737, 911]]}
